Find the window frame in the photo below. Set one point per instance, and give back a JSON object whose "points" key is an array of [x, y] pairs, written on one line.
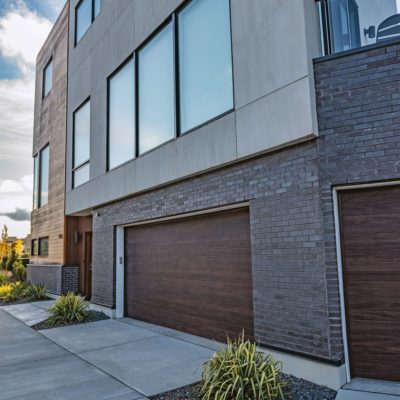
{"points": [[92, 18], [86, 162], [173, 19], [39, 248], [44, 95]]}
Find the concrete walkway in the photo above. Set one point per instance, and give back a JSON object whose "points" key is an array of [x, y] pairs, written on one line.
{"points": [[112, 359]]}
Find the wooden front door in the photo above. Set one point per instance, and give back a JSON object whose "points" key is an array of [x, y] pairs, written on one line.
{"points": [[192, 274], [370, 235], [88, 265]]}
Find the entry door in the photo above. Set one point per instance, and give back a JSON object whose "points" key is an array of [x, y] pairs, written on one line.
{"points": [[370, 233], [88, 265], [192, 274]]}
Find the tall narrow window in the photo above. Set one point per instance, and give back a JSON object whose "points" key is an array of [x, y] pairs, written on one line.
{"points": [[36, 182], [34, 247], [205, 62], [44, 246], [156, 91], [83, 19], [121, 124], [44, 177], [47, 78], [81, 147]]}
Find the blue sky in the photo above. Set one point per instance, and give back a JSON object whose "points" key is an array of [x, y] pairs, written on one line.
{"points": [[24, 26]]}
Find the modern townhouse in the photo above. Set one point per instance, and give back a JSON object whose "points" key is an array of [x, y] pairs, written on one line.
{"points": [[229, 165]]}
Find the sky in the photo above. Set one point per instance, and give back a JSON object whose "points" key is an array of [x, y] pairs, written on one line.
{"points": [[24, 26]]}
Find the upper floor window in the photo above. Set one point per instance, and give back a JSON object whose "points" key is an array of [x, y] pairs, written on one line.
{"points": [[85, 13], [157, 91], [47, 78], [121, 122], [350, 24], [81, 145], [205, 62], [41, 178]]}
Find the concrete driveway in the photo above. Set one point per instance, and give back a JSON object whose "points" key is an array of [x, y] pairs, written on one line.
{"points": [[112, 359]]}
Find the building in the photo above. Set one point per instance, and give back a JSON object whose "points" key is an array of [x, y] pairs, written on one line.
{"points": [[232, 165]]}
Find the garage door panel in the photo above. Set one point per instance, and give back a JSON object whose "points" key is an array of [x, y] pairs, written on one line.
{"points": [[370, 234], [192, 274]]}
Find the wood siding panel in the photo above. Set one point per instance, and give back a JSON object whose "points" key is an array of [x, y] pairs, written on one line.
{"points": [[192, 274], [370, 230]]}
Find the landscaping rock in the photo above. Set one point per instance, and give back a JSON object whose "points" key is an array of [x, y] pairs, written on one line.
{"points": [[93, 316]]}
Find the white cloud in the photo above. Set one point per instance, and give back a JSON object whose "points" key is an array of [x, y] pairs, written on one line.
{"points": [[9, 186]]}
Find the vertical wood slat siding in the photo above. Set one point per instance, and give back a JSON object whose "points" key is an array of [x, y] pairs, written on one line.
{"points": [[192, 274], [370, 233]]}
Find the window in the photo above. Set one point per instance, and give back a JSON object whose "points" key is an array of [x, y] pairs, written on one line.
{"points": [[41, 178], [121, 112], [85, 13], [44, 246], [34, 247], [47, 78], [156, 91], [36, 182], [81, 146], [205, 62], [44, 177], [350, 24]]}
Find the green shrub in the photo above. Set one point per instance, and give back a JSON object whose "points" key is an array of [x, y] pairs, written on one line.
{"points": [[5, 292], [3, 278], [240, 372], [68, 308], [35, 292], [19, 271], [12, 292], [4, 262]]}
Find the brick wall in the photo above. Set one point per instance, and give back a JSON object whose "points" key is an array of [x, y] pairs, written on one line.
{"points": [[50, 127], [358, 104], [290, 298]]}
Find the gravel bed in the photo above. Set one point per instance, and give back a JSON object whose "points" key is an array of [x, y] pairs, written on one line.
{"points": [[93, 316], [296, 389]]}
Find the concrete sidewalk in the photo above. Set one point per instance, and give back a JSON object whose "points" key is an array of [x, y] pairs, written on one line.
{"points": [[110, 359]]}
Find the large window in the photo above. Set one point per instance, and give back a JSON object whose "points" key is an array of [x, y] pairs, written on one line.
{"points": [[157, 91], [81, 147], [349, 24], [44, 177], [205, 62], [47, 78], [41, 178], [121, 123], [85, 13]]}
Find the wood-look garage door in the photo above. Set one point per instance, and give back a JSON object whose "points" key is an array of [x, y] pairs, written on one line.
{"points": [[192, 274], [370, 229]]}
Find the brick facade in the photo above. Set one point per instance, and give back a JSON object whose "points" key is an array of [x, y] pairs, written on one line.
{"points": [[358, 105], [286, 232]]}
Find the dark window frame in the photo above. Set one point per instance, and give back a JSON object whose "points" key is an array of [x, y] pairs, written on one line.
{"points": [[44, 95], [86, 162], [40, 240], [173, 19], [33, 243], [39, 172], [92, 18]]}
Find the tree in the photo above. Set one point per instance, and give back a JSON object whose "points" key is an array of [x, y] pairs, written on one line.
{"points": [[18, 246], [5, 247]]}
